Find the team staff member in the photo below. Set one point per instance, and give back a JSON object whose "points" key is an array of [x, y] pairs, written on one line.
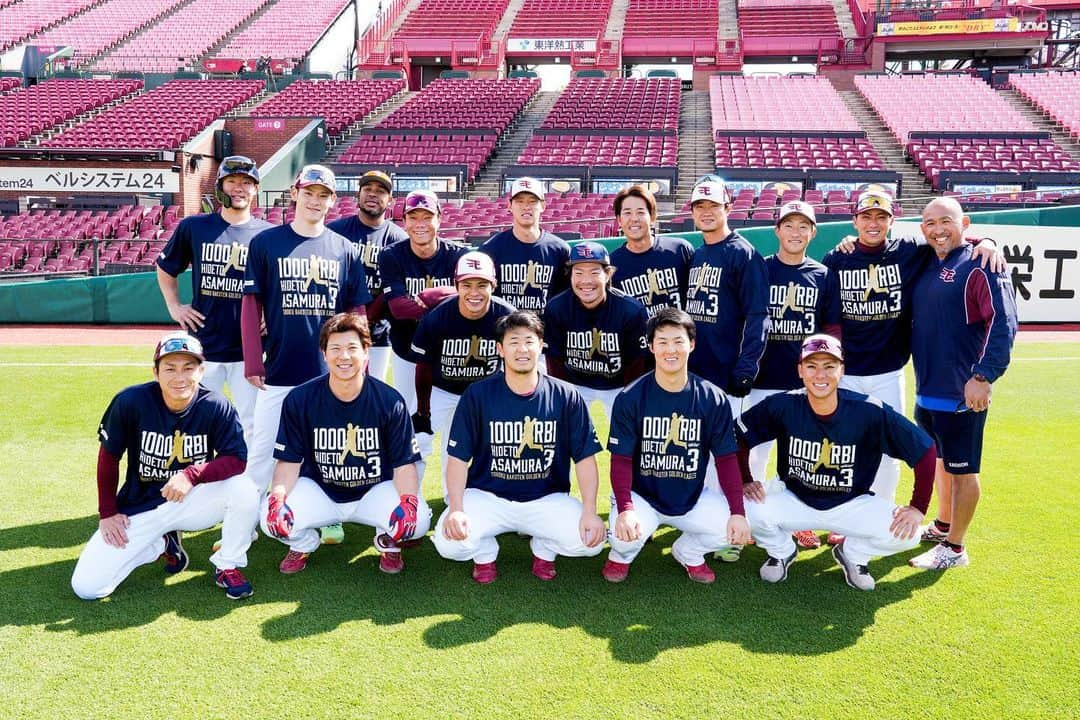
{"points": [[372, 232], [728, 296], [595, 335], [345, 453], [215, 246], [665, 427], [297, 276], [530, 262], [653, 270], [964, 324], [454, 344], [830, 443], [511, 443], [185, 463]]}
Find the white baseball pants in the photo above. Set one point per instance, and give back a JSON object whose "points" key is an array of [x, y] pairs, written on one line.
{"points": [[218, 376], [888, 388], [260, 465], [704, 529]]}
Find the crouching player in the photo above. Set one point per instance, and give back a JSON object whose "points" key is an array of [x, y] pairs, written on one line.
{"points": [[345, 453], [829, 445], [511, 442], [665, 427], [186, 458]]}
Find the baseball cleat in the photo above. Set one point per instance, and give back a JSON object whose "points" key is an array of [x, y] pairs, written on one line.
{"points": [[940, 557], [775, 570], [543, 569], [293, 562], [931, 534], [834, 538], [806, 539], [176, 559], [332, 534], [615, 572], [217, 543], [485, 573], [701, 573], [391, 563], [730, 554], [234, 583], [857, 576]]}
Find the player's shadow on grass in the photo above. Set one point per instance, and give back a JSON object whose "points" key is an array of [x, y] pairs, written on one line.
{"points": [[54, 534]]}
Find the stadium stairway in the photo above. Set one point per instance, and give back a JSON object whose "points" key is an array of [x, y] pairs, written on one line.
{"points": [[1042, 122], [616, 19], [489, 181], [92, 60], [729, 21], [507, 21], [216, 47], [696, 146], [913, 184], [844, 19], [340, 143]]}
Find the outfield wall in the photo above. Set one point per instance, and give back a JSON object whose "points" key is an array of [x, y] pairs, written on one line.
{"points": [[1041, 247]]}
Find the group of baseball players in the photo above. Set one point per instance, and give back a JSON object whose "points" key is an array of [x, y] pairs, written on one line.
{"points": [[701, 359]]}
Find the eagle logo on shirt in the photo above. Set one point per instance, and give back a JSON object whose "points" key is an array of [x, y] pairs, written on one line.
{"points": [[823, 457], [873, 283], [177, 452], [352, 444], [947, 275], [528, 437], [673, 433]]}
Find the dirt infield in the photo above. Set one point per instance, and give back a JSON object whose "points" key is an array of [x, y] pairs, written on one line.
{"points": [[98, 335]]}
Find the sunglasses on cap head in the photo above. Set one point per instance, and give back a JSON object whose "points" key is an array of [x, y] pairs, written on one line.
{"points": [[418, 202], [316, 176], [817, 346], [237, 164], [179, 345]]}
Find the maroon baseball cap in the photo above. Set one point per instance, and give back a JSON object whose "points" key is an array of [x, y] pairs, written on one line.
{"points": [[821, 343]]}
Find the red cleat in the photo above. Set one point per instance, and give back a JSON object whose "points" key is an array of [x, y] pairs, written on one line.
{"points": [[543, 569], [484, 573], [391, 563], [294, 562], [806, 539], [701, 573], [615, 572]]}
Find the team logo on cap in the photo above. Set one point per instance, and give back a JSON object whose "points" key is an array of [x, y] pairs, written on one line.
{"points": [[472, 263]]}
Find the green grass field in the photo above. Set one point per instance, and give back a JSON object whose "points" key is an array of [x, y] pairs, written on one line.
{"points": [[341, 640]]}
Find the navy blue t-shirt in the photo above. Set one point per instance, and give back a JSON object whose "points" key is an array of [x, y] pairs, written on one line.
{"points": [[528, 273], [670, 436], [301, 282], [159, 442], [217, 253], [406, 275], [346, 447], [596, 345], [869, 296], [656, 278], [728, 298], [459, 350], [826, 462], [371, 242], [796, 304], [521, 445]]}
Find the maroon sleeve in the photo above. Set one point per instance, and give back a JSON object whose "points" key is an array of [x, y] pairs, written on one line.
{"points": [[743, 454], [555, 367], [220, 468], [405, 308], [727, 472], [924, 480], [634, 370], [360, 310], [622, 479], [977, 301], [377, 309], [250, 336], [108, 480], [424, 381]]}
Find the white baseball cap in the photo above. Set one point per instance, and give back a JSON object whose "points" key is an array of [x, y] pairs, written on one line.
{"points": [[797, 207], [475, 264], [529, 185], [713, 190]]}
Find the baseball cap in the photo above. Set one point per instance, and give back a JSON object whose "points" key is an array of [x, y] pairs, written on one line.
{"points": [[178, 342], [529, 185], [377, 176], [475, 264], [316, 175], [797, 207], [238, 165], [873, 200], [714, 190], [422, 200], [821, 343], [589, 252]]}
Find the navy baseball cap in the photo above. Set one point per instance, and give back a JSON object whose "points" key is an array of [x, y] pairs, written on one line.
{"points": [[589, 252], [178, 342], [238, 165], [821, 343]]}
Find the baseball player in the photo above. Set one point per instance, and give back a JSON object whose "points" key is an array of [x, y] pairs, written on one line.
{"points": [[830, 442], [727, 296], [511, 443], [963, 327], [417, 275], [665, 427], [345, 453], [185, 471], [653, 270], [372, 232], [868, 306], [215, 246], [595, 335], [297, 276], [530, 262], [454, 344]]}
